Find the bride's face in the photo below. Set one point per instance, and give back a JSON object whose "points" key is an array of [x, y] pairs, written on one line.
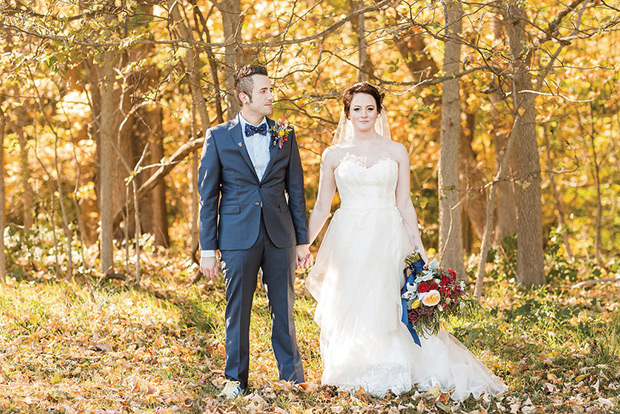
{"points": [[363, 112]]}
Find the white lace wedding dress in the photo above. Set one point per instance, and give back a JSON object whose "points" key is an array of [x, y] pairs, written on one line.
{"points": [[356, 281]]}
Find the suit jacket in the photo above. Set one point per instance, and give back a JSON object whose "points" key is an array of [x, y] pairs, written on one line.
{"points": [[232, 198]]}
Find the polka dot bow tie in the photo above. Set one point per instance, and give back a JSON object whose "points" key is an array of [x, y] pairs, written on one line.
{"points": [[251, 129]]}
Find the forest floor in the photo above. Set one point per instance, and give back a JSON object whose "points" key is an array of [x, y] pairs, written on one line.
{"points": [[117, 348]]}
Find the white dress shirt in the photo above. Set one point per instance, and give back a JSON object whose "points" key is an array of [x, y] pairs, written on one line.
{"points": [[257, 146]]}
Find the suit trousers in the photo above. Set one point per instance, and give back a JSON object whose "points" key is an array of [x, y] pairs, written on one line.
{"points": [[241, 269]]}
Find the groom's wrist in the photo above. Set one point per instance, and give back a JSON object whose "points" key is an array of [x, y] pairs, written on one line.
{"points": [[207, 253]]}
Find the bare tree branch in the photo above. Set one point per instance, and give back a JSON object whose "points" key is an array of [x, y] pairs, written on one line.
{"points": [[180, 154], [184, 42]]}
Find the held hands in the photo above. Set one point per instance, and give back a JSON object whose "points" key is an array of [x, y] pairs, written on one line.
{"points": [[304, 257], [208, 267]]}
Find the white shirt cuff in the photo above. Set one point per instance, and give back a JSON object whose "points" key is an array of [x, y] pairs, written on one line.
{"points": [[207, 253]]}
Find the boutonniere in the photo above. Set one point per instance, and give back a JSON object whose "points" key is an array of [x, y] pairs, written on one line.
{"points": [[279, 131]]}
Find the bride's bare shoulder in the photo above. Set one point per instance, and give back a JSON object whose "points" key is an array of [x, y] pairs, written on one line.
{"points": [[332, 155], [394, 145], [397, 151]]}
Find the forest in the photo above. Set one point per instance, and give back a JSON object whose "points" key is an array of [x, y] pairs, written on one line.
{"points": [[509, 109]]}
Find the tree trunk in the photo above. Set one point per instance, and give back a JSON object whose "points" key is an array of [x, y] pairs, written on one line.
{"points": [[419, 62], [559, 205], [123, 143], [192, 59], [233, 54], [450, 238], [472, 181], [63, 209], [597, 178], [147, 132], [135, 123], [506, 208], [486, 238], [28, 192], [421, 66], [194, 187], [111, 105], [364, 63], [530, 266], [2, 199], [107, 134]]}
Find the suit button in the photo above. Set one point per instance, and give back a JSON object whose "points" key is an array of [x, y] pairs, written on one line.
{"points": [[257, 204]]}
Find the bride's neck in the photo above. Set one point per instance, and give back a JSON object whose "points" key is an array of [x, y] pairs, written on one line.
{"points": [[364, 136]]}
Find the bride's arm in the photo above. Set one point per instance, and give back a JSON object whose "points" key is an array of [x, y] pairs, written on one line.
{"points": [[403, 201], [327, 188]]}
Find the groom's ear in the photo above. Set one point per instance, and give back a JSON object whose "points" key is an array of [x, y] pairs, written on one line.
{"points": [[244, 98]]}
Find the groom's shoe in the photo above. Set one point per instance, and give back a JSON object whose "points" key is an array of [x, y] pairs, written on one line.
{"points": [[231, 390]]}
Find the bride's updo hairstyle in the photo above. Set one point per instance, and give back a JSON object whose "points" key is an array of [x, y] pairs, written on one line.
{"points": [[361, 87]]}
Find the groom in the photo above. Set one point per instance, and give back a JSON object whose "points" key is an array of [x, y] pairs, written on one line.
{"points": [[253, 209]]}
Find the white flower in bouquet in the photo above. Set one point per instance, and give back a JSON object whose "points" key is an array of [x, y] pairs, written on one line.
{"points": [[412, 292], [429, 272], [426, 276]]}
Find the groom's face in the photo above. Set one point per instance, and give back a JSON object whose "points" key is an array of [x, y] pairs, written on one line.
{"points": [[262, 96]]}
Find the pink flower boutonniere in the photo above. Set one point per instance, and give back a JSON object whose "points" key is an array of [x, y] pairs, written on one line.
{"points": [[279, 131]]}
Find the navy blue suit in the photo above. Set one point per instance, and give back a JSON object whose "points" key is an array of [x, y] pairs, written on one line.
{"points": [[255, 224]]}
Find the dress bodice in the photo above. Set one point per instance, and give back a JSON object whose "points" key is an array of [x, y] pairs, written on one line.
{"points": [[362, 187]]}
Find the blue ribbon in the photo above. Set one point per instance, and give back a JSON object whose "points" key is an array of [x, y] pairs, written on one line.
{"points": [[415, 267]]}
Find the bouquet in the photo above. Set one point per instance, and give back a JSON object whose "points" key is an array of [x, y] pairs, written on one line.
{"points": [[430, 293]]}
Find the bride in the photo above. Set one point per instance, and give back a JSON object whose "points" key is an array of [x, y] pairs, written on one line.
{"points": [[357, 277]]}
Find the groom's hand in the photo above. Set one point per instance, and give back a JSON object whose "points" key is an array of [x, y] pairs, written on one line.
{"points": [[304, 257], [208, 267]]}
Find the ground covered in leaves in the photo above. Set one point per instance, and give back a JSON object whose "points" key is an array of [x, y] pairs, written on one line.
{"points": [[112, 347]]}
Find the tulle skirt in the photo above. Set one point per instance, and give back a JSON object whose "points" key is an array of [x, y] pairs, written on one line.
{"points": [[356, 281]]}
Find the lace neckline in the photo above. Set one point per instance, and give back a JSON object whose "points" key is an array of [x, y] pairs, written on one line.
{"points": [[363, 161]]}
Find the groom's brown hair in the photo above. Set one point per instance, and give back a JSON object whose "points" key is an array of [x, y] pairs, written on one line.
{"points": [[244, 82]]}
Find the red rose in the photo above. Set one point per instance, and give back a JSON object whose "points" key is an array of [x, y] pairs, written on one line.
{"points": [[434, 286], [453, 274], [444, 281], [423, 287], [445, 291]]}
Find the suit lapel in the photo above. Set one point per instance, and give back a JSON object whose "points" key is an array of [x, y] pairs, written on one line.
{"points": [[237, 136], [273, 148]]}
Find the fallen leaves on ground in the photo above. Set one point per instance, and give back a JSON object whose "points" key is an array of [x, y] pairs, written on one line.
{"points": [[131, 350]]}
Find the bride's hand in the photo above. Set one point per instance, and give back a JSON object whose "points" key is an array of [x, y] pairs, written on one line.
{"points": [[417, 247], [304, 257]]}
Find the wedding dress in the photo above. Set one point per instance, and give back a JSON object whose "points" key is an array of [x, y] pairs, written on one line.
{"points": [[356, 281]]}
